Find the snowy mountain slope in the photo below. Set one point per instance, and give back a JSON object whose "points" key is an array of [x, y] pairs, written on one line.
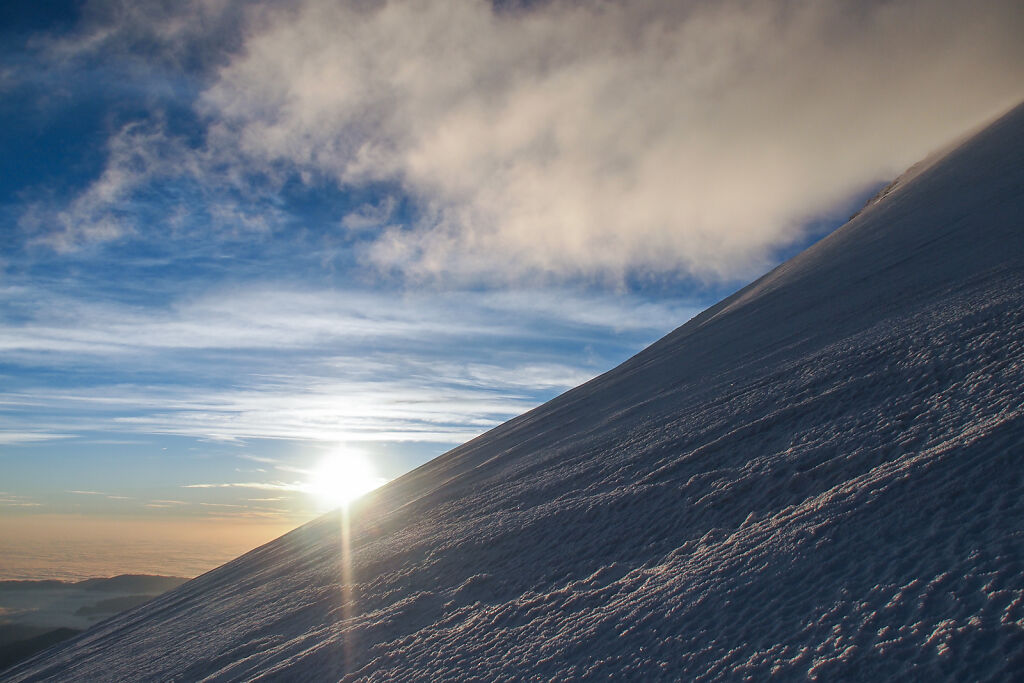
{"points": [[821, 477]]}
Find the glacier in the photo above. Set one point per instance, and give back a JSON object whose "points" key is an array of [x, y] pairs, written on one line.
{"points": [[820, 477]]}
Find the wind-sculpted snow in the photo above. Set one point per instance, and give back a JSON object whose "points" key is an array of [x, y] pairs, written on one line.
{"points": [[819, 477]]}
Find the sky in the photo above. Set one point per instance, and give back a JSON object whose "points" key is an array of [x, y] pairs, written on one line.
{"points": [[239, 240]]}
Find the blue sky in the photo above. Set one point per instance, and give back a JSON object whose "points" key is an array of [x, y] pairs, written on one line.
{"points": [[238, 237]]}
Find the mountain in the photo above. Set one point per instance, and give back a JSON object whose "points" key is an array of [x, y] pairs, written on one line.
{"points": [[819, 477], [123, 583], [34, 615], [24, 647]]}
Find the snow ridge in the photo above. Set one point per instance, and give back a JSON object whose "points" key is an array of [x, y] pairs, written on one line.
{"points": [[820, 477]]}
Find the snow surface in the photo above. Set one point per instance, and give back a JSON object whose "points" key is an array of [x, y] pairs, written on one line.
{"points": [[820, 477]]}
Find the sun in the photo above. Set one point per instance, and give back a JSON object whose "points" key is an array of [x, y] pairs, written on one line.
{"points": [[342, 477]]}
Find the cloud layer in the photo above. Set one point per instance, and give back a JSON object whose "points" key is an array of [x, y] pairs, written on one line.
{"points": [[606, 138], [307, 365]]}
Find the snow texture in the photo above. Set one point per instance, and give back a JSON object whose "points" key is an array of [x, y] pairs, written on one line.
{"points": [[819, 477]]}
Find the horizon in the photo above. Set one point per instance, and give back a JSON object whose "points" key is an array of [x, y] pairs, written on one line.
{"points": [[250, 271]]}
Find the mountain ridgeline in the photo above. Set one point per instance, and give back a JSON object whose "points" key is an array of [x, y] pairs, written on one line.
{"points": [[821, 476]]}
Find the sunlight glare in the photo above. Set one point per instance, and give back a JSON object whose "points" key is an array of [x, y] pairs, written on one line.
{"points": [[342, 477]]}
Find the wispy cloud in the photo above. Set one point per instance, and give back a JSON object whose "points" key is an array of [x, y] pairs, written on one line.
{"points": [[268, 310], [259, 485], [202, 200], [307, 408], [95, 214], [11, 438], [162, 504], [281, 317], [17, 501], [314, 365], [108, 496]]}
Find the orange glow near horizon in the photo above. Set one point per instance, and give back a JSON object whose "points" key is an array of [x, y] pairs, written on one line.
{"points": [[73, 547]]}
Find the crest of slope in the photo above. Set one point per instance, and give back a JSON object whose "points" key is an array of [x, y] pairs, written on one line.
{"points": [[820, 476]]}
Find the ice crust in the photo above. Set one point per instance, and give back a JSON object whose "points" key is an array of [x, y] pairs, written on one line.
{"points": [[819, 477]]}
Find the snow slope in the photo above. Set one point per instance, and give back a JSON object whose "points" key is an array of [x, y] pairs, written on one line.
{"points": [[821, 476]]}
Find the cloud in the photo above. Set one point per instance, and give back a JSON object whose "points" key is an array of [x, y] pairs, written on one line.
{"points": [[306, 408], [312, 365], [17, 501], [370, 215], [95, 215], [599, 139], [263, 486], [184, 36], [444, 402], [279, 317], [156, 187], [554, 140], [13, 437]]}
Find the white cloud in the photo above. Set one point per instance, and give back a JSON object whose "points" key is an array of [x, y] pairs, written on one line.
{"points": [[324, 366], [205, 193], [310, 409], [266, 486], [282, 318], [96, 214], [567, 139], [14, 437], [599, 138], [17, 501], [451, 406], [370, 216]]}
